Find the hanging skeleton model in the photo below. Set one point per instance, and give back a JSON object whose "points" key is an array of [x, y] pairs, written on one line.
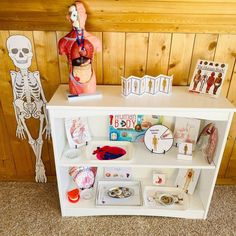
{"points": [[29, 100], [79, 47]]}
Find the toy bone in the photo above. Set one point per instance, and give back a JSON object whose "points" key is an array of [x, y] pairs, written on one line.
{"points": [[29, 100]]}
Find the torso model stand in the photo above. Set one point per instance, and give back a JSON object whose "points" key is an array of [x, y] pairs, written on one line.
{"points": [[79, 47], [29, 100]]}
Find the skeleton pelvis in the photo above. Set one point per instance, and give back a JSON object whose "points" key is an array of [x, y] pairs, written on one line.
{"points": [[29, 107], [83, 72], [32, 109]]}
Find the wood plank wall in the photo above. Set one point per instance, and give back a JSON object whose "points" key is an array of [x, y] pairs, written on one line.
{"points": [[139, 37], [123, 54]]}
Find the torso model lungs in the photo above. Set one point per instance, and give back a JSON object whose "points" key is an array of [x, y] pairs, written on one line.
{"points": [[79, 47], [29, 100]]}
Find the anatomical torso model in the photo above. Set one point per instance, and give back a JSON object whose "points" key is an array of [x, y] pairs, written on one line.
{"points": [[79, 47], [29, 100]]}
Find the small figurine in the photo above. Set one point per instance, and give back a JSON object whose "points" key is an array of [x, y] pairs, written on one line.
{"points": [[79, 47]]}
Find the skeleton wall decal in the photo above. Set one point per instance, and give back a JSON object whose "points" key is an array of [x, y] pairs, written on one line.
{"points": [[29, 100]]}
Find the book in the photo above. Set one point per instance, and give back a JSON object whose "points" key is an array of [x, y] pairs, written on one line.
{"points": [[208, 77], [131, 127]]}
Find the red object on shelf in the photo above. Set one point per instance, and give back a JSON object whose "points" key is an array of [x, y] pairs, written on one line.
{"points": [[73, 195]]}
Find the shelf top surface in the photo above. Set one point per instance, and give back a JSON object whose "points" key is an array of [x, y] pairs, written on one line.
{"points": [[112, 99]]}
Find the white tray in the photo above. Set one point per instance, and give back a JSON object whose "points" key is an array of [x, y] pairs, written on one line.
{"points": [[103, 199], [92, 146], [150, 191]]}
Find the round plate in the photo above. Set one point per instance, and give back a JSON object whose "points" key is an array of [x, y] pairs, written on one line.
{"points": [[120, 192]]}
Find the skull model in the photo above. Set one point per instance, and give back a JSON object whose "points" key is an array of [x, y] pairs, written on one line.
{"points": [[20, 51]]}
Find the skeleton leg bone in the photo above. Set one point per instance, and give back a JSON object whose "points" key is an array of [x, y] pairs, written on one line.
{"points": [[39, 168]]}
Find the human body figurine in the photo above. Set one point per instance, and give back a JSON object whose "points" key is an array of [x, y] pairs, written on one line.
{"points": [[185, 149], [150, 86], [217, 83], [210, 81], [188, 178], [164, 84], [202, 82], [154, 143], [135, 86], [79, 47], [196, 79]]}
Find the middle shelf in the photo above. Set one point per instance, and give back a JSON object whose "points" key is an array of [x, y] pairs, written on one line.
{"points": [[141, 157]]}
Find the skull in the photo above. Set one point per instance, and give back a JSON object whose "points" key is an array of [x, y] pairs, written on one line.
{"points": [[20, 51]]}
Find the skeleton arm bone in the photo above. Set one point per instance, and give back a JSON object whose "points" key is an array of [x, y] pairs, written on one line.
{"points": [[20, 129], [47, 127]]}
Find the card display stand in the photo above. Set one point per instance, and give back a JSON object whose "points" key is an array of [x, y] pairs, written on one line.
{"points": [[142, 162]]}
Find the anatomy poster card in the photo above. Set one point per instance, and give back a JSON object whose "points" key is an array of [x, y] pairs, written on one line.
{"points": [[208, 77], [186, 130], [187, 179], [77, 131]]}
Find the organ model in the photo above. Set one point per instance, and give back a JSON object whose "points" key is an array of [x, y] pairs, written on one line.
{"points": [[79, 47]]}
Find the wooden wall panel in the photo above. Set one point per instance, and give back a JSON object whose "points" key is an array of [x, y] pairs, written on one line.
{"points": [[62, 59], [97, 60], [122, 54], [136, 54], [225, 51], [204, 48], [158, 53], [180, 57], [113, 66], [210, 16], [20, 151], [7, 165]]}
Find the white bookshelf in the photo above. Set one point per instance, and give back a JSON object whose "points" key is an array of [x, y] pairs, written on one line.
{"points": [[180, 104]]}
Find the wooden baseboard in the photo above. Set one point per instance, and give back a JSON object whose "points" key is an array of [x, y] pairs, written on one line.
{"points": [[50, 179], [226, 181]]}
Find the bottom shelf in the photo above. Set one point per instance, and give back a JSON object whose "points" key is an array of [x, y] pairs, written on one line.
{"points": [[195, 208]]}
